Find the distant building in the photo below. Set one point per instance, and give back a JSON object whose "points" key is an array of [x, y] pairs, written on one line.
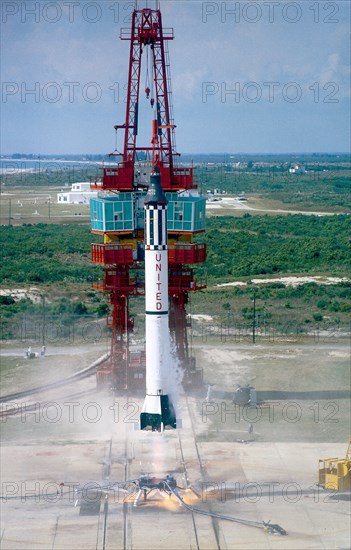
{"points": [[80, 193], [297, 169]]}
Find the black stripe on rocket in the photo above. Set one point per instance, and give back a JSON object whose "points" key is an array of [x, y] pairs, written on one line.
{"points": [[156, 227]]}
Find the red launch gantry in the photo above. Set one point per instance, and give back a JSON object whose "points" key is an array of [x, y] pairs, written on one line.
{"points": [[118, 213], [147, 34]]}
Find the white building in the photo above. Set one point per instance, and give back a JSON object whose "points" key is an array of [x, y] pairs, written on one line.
{"points": [[80, 193], [297, 169]]}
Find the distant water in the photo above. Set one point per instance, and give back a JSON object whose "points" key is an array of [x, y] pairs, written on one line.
{"points": [[18, 166]]}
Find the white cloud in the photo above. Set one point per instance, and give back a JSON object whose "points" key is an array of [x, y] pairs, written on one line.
{"points": [[186, 84], [335, 73]]}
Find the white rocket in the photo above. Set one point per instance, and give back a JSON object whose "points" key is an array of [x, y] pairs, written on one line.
{"points": [[157, 412]]}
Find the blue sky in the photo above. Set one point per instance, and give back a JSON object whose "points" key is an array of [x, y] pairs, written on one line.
{"points": [[247, 76]]}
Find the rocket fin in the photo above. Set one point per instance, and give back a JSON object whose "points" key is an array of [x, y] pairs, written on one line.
{"points": [[157, 414]]}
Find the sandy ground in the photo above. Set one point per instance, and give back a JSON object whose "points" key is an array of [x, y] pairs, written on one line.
{"points": [[231, 203], [271, 477], [292, 281], [19, 373]]}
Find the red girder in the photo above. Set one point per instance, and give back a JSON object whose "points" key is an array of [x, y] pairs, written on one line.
{"points": [[112, 254], [119, 279], [122, 254], [186, 253], [121, 177], [120, 324], [178, 324], [147, 31]]}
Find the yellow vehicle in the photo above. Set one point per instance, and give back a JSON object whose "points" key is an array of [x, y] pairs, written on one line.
{"points": [[335, 473]]}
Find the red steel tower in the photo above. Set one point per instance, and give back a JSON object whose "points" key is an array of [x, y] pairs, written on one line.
{"points": [[118, 212]]}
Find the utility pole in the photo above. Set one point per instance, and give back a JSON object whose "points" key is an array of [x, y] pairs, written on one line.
{"points": [[44, 321], [202, 180], [9, 211], [254, 319]]}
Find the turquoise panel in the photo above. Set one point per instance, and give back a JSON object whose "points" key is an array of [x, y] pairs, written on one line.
{"points": [[110, 214]]}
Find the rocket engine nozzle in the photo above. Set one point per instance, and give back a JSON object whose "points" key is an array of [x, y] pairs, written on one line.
{"points": [[157, 414]]}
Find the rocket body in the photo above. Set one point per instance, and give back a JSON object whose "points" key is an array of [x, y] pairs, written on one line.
{"points": [[157, 412]]}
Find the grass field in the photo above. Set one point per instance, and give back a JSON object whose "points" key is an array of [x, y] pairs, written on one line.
{"points": [[38, 205], [259, 237], [21, 205]]}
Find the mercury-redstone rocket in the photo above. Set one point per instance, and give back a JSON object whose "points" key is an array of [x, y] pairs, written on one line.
{"points": [[157, 412]]}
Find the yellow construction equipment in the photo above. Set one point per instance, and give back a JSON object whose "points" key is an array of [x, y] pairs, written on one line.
{"points": [[335, 473]]}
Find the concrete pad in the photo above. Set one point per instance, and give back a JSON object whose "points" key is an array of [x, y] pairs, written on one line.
{"points": [[265, 479]]}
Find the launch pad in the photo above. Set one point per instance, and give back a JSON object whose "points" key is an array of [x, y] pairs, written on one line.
{"points": [[161, 488], [274, 477], [146, 485]]}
